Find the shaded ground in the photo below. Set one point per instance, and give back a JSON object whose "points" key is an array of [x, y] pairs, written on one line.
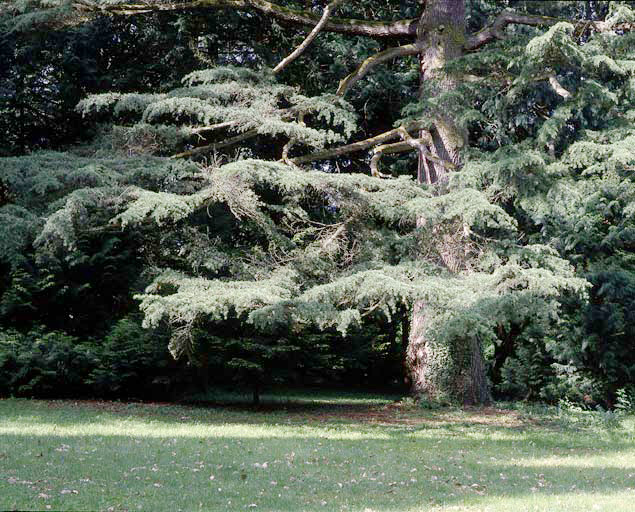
{"points": [[395, 413], [311, 453]]}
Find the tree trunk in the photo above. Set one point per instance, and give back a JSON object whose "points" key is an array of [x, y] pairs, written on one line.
{"points": [[439, 371]]}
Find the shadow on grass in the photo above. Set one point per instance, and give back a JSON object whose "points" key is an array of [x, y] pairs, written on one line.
{"points": [[383, 470]]}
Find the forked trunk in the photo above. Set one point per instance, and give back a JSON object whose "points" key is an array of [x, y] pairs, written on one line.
{"points": [[438, 371]]}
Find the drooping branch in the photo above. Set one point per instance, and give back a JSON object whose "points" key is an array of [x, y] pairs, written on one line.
{"points": [[203, 150], [372, 61], [326, 14], [296, 16], [356, 146]]}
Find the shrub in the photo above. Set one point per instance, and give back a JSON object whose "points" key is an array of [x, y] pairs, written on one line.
{"points": [[44, 364]]}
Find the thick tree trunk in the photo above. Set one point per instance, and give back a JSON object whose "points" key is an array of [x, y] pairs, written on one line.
{"points": [[439, 371]]}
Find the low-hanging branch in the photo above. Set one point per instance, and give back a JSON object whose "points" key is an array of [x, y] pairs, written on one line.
{"points": [[375, 60], [326, 154], [297, 16], [203, 150]]}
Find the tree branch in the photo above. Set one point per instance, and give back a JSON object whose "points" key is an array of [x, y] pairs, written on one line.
{"points": [[379, 151], [213, 127], [497, 29], [372, 61], [356, 146], [296, 16], [557, 87], [408, 143], [217, 145], [326, 14]]}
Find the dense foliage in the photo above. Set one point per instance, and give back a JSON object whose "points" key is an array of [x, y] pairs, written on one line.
{"points": [[218, 205]]}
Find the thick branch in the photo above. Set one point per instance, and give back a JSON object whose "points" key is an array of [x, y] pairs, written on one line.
{"points": [[328, 10], [379, 151], [217, 145], [356, 146], [497, 29], [408, 143], [372, 61], [297, 16], [415, 143]]}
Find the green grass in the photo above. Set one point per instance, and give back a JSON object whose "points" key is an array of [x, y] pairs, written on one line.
{"points": [[319, 452]]}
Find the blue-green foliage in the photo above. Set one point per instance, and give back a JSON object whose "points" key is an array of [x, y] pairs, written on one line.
{"points": [[244, 99], [527, 255], [559, 157]]}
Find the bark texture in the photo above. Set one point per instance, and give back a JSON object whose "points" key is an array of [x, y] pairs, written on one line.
{"points": [[442, 369]]}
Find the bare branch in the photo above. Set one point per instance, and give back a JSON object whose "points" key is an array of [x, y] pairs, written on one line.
{"points": [[408, 143], [415, 143], [328, 10], [213, 127], [217, 145], [372, 61], [296, 16], [497, 29], [356, 146], [379, 151], [556, 86]]}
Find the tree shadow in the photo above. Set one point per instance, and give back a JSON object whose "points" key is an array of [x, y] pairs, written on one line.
{"points": [[289, 465]]}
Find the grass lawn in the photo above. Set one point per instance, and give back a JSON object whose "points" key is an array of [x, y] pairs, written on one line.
{"points": [[303, 452]]}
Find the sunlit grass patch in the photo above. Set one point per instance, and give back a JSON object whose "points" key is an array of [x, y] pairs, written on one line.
{"points": [[101, 455]]}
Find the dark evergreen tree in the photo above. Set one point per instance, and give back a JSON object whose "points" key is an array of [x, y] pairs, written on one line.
{"points": [[509, 117]]}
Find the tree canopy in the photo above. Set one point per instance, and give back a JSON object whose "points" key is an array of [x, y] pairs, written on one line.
{"points": [[451, 172]]}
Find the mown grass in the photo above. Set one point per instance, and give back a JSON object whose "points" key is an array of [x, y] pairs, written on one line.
{"points": [[311, 453]]}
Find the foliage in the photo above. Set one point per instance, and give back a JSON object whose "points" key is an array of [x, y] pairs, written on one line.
{"points": [[130, 362], [43, 363], [133, 362], [524, 255]]}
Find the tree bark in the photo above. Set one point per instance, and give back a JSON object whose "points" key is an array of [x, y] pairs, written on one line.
{"points": [[439, 371]]}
